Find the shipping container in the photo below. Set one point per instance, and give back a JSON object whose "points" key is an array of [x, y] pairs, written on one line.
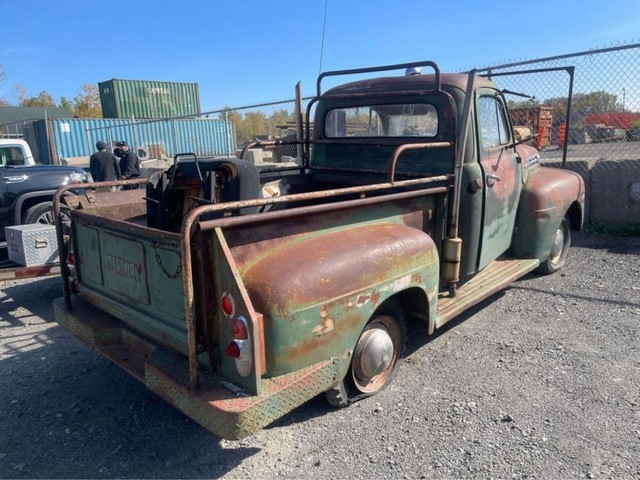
{"points": [[143, 99], [73, 139]]}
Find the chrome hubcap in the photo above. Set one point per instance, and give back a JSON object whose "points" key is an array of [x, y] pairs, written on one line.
{"points": [[376, 352], [558, 244]]}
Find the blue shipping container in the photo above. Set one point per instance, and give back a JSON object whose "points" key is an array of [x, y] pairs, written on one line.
{"points": [[76, 137]]}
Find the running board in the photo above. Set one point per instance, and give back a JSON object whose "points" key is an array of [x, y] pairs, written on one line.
{"points": [[496, 276]]}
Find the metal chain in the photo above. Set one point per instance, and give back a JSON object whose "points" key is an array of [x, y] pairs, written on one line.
{"points": [[162, 267]]}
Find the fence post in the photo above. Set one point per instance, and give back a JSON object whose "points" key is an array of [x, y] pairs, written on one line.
{"points": [[298, 115], [175, 137], [133, 131], [110, 137], [228, 133]]}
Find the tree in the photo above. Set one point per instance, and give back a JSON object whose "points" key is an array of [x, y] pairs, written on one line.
{"points": [[228, 114], [66, 104], [44, 99], [253, 124], [582, 104], [87, 103], [3, 101], [20, 93], [277, 123]]}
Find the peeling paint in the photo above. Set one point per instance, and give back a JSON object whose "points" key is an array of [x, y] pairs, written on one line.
{"points": [[324, 327], [362, 300], [402, 283]]}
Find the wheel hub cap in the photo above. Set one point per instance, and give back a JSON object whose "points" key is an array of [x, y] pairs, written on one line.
{"points": [[558, 243], [376, 352]]}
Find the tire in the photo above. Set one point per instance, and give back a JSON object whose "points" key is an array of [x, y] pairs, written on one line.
{"points": [[142, 153], [375, 359], [42, 213], [559, 249]]}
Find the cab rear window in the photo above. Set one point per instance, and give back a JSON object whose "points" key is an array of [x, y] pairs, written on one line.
{"points": [[394, 120]]}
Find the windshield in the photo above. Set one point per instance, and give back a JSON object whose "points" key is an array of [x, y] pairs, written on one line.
{"points": [[395, 120]]}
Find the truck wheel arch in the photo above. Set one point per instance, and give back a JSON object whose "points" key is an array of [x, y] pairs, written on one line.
{"points": [[28, 200], [576, 216]]}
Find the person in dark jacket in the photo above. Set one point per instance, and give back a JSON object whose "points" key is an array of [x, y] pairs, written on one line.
{"points": [[103, 165], [129, 164]]}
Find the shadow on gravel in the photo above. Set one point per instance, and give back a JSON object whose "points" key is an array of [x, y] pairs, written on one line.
{"points": [[69, 413], [26, 302]]}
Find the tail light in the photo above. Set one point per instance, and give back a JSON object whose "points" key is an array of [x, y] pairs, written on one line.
{"points": [[227, 303], [240, 331], [233, 350], [241, 348], [71, 258]]}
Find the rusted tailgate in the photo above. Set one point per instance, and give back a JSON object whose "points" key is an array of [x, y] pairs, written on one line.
{"points": [[132, 272]]}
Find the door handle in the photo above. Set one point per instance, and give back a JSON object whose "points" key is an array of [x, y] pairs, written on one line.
{"points": [[492, 179]]}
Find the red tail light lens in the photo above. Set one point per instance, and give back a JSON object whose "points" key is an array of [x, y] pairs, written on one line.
{"points": [[71, 259], [240, 329], [233, 350], [227, 304]]}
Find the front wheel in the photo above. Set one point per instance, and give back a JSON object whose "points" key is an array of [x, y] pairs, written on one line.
{"points": [[374, 363], [559, 249], [42, 213]]}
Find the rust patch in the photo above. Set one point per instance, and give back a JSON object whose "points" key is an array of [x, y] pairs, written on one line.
{"points": [[375, 298], [362, 300]]}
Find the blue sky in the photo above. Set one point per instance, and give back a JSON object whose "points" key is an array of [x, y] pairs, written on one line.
{"points": [[247, 52]]}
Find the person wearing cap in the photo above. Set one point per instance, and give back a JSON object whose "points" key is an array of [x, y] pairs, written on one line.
{"points": [[104, 165], [129, 164]]}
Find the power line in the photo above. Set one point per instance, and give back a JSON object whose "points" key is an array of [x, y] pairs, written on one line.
{"points": [[324, 26]]}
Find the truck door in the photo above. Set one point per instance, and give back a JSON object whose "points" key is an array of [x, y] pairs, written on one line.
{"points": [[502, 175]]}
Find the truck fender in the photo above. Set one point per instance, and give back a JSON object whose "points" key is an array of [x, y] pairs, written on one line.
{"points": [[317, 294], [548, 195]]}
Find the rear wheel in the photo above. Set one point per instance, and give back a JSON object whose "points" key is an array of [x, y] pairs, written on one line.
{"points": [[559, 249], [374, 363]]}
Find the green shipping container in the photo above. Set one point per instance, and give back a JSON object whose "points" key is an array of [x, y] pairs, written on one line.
{"points": [[143, 99]]}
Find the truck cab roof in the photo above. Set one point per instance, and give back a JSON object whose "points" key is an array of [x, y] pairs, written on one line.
{"points": [[406, 84]]}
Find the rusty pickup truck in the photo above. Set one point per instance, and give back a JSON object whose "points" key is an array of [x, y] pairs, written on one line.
{"points": [[237, 294]]}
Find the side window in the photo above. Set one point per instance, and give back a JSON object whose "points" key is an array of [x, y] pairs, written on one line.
{"points": [[493, 123], [11, 156]]}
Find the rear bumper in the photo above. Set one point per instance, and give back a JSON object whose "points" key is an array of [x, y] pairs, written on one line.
{"points": [[221, 407]]}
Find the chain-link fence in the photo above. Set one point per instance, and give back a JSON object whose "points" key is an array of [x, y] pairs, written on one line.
{"points": [[604, 120], [604, 116]]}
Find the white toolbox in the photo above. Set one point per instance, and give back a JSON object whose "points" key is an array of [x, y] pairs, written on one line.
{"points": [[33, 244]]}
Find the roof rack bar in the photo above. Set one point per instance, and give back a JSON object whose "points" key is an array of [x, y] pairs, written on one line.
{"points": [[384, 68]]}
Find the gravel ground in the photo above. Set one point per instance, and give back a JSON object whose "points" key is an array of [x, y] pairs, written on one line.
{"points": [[542, 380]]}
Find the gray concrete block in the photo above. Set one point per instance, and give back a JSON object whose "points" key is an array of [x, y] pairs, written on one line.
{"points": [[614, 197]]}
